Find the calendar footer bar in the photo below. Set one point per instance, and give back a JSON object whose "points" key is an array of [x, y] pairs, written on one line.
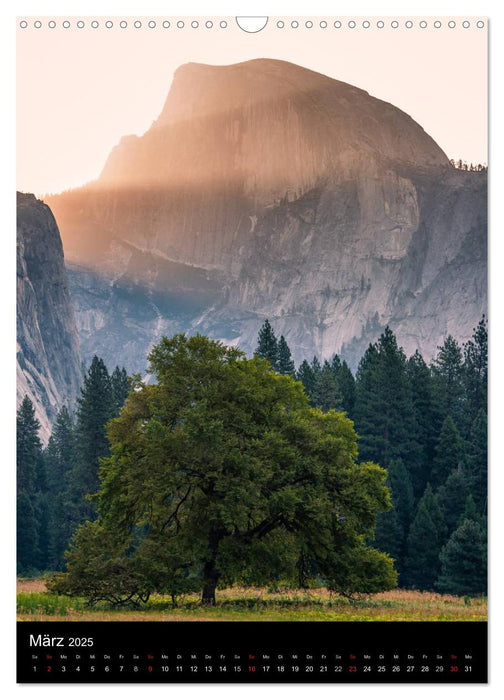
{"points": [[252, 652]]}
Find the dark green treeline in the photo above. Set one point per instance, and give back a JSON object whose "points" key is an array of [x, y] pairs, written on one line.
{"points": [[426, 424], [53, 483]]}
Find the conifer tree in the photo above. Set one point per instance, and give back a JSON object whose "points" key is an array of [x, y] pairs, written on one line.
{"points": [[326, 393], [121, 385], [426, 418], [59, 455], [306, 376], [26, 534], [28, 447], [448, 377], [424, 543], [476, 369], [471, 513], [285, 363], [60, 459], [384, 413], [267, 345], [449, 453], [452, 498], [392, 527], [346, 384], [336, 364], [464, 561], [477, 458], [316, 367], [388, 537], [30, 481], [96, 406]]}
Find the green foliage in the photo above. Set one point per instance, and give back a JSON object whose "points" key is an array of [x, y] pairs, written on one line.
{"points": [[27, 534], [47, 604], [326, 393], [476, 369], [59, 456], [28, 447], [392, 527], [285, 363], [477, 460], [32, 513], [427, 419], [360, 570], [220, 461], [401, 412], [452, 498], [346, 383], [121, 385], [449, 453], [267, 344], [448, 378], [424, 543], [384, 413], [306, 375], [96, 406], [464, 561]]}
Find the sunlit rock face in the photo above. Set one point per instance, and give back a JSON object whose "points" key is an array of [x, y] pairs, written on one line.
{"points": [[267, 190], [48, 355]]}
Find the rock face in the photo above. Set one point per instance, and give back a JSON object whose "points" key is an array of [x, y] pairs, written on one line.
{"points": [[48, 356], [267, 190]]}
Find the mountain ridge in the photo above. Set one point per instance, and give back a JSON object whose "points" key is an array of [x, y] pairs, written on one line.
{"points": [[48, 353], [305, 200]]}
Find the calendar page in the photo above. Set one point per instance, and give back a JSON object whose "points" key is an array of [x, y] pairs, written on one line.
{"points": [[252, 349]]}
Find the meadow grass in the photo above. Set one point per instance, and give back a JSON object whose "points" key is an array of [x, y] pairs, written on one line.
{"points": [[256, 604]]}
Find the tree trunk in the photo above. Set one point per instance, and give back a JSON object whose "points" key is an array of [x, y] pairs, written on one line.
{"points": [[208, 594], [210, 575]]}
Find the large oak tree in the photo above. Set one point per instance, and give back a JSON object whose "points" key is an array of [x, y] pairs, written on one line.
{"points": [[221, 472]]}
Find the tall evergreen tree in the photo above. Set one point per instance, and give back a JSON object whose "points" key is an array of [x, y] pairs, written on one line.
{"points": [[426, 417], [336, 364], [424, 544], [392, 527], [368, 399], [452, 498], [26, 534], [285, 363], [28, 447], [476, 369], [464, 561], [59, 455], [60, 459], [448, 377], [388, 537], [267, 345], [96, 406], [384, 413], [471, 513], [32, 537], [449, 453], [307, 377], [477, 459], [121, 384], [346, 384], [316, 367], [326, 393]]}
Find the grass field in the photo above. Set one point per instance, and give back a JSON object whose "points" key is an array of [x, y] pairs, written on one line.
{"points": [[256, 604]]}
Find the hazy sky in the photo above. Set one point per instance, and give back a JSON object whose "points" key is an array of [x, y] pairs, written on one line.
{"points": [[80, 90]]}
